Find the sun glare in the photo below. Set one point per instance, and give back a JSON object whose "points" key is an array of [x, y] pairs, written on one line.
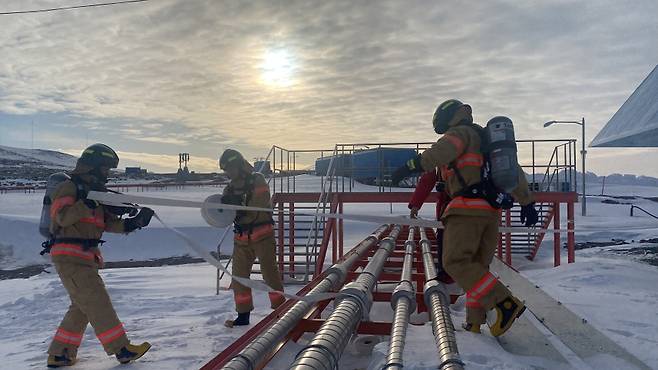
{"points": [[277, 68]]}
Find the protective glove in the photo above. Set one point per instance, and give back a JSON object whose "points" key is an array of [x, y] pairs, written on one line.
{"points": [[413, 212], [91, 204], [411, 167], [142, 219], [529, 216]]}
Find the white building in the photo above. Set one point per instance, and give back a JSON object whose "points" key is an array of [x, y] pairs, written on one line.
{"points": [[636, 123]]}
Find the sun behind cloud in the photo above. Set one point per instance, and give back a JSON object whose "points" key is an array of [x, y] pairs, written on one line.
{"points": [[278, 68]]}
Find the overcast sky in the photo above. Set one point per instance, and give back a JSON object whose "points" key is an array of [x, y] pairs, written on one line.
{"points": [[167, 76]]}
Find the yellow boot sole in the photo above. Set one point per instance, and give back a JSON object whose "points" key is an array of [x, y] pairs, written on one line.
{"points": [[498, 329], [54, 364], [139, 351]]}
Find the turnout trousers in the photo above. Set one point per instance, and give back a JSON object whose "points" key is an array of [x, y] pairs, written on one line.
{"points": [[90, 304], [244, 255], [469, 244]]}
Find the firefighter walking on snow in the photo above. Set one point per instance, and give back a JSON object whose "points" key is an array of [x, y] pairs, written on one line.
{"points": [[472, 217], [76, 226], [254, 233]]}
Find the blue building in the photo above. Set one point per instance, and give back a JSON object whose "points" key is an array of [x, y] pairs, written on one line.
{"points": [[369, 166], [341, 164]]}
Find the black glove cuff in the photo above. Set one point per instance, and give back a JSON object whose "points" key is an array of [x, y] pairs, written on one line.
{"points": [[91, 204], [129, 225]]}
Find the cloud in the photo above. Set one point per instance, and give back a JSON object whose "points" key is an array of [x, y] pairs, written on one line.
{"points": [[163, 140], [188, 75]]}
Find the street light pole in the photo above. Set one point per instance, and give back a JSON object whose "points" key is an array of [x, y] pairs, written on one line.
{"points": [[583, 153]]}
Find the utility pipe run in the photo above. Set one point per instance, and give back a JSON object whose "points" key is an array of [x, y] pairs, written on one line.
{"points": [[352, 305], [255, 353], [403, 303], [437, 299]]}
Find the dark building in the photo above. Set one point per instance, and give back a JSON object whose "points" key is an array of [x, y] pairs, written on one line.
{"points": [[263, 167], [135, 172]]}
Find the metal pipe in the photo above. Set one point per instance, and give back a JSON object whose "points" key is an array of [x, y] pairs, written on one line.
{"points": [[428, 258], [253, 355], [437, 299], [352, 305], [403, 302]]}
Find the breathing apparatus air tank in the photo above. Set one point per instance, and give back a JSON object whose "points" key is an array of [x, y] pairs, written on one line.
{"points": [[501, 149], [53, 182]]}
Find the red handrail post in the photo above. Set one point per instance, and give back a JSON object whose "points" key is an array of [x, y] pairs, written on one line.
{"points": [[334, 242], [291, 235], [281, 239], [571, 237], [340, 228], [556, 235], [500, 242], [508, 238]]}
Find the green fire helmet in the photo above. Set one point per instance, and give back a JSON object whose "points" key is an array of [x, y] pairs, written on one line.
{"points": [[230, 158], [99, 155], [444, 114]]}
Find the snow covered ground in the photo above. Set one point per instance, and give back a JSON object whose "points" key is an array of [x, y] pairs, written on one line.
{"points": [[176, 309]]}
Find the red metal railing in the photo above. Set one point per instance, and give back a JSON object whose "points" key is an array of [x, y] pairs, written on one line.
{"points": [[333, 232], [334, 229], [557, 200]]}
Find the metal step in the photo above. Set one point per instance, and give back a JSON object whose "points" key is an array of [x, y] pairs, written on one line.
{"points": [[304, 232], [299, 254]]}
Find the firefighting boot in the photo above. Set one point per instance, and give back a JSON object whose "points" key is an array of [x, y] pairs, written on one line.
{"points": [[241, 320], [507, 310], [60, 361], [473, 328], [132, 352]]}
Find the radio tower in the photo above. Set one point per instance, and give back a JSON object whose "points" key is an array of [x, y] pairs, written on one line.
{"points": [[183, 171]]}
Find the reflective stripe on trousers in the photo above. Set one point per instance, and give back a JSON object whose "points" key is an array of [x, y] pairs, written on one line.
{"points": [[483, 286], [67, 337], [111, 335]]}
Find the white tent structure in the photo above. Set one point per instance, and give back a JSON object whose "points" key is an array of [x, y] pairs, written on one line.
{"points": [[636, 123]]}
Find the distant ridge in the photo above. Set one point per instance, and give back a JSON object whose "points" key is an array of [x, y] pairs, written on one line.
{"points": [[18, 157]]}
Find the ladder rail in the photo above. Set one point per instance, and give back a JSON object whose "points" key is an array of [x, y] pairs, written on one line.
{"points": [[326, 190]]}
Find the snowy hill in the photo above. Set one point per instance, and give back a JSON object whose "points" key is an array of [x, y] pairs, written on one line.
{"points": [[23, 166], [10, 156]]}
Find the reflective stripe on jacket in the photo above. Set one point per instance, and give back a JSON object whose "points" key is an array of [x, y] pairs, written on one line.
{"points": [[71, 218], [461, 145]]}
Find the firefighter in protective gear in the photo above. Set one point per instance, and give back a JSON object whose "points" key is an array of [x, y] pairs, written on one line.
{"points": [[254, 233], [471, 224], [428, 181], [77, 225]]}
